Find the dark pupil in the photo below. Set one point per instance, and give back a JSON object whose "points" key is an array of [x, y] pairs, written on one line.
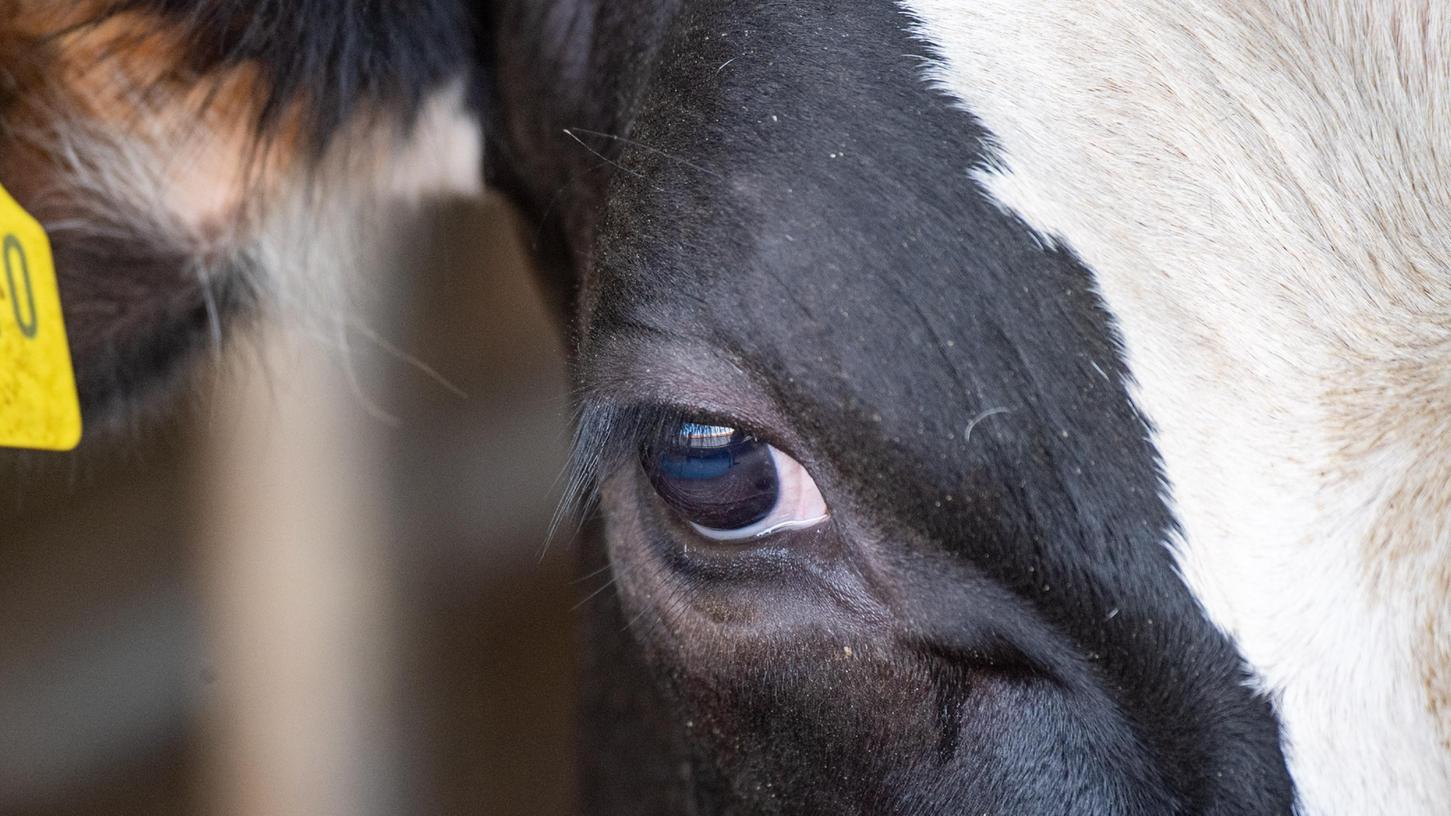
{"points": [[717, 477]]}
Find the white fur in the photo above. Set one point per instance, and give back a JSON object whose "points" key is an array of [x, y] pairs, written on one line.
{"points": [[309, 236], [1263, 191]]}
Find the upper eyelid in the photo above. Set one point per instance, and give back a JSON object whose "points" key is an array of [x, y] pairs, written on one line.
{"points": [[618, 431], [628, 381], [689, 377]]}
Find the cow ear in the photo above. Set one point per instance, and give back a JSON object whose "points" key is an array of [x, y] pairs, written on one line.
{"points": [[189, 157]]}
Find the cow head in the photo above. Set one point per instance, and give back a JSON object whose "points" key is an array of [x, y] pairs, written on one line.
{"points": [[1018, 410]]}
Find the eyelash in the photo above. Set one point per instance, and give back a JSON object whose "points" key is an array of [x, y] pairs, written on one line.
{"points": [[609, 436]]}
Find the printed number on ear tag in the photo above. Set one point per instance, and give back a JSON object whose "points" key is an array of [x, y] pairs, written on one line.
{"points": [[38, 404]]}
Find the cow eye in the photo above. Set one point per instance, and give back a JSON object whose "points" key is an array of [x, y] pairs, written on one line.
{"points": [[729, 485]]}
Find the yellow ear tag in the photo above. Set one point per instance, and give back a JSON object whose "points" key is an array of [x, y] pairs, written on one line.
{"points": [[39, 408]]}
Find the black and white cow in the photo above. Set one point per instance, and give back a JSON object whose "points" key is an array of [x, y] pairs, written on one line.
{"points": [[994, 407]]}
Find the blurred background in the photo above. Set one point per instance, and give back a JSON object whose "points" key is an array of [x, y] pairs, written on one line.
{"points": [[321, 585]]}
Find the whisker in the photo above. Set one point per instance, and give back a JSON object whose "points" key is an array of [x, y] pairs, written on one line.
{"points": [[971, 426], [570, 133], [583, 578], [214, 318], [407, 359], [657, 151], [355, 384], [610, 583]]}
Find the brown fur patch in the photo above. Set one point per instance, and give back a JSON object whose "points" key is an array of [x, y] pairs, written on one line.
{"points": [[78, 70]]}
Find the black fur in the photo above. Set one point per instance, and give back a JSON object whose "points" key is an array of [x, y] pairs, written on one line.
{"points": [[335, 57], [137, 336]]}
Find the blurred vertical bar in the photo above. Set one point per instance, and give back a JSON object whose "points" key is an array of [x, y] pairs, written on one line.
{"points": [[295, 566], [476, 466]]}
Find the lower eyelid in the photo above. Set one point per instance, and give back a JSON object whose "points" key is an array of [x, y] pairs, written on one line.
{"points": [[779, 527]]}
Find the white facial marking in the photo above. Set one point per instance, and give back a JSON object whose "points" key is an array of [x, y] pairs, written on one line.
{"points": [[1263, 192]]}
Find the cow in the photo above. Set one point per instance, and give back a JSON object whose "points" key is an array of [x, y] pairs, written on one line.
{"points": [[990, 407], [198, 163]]}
